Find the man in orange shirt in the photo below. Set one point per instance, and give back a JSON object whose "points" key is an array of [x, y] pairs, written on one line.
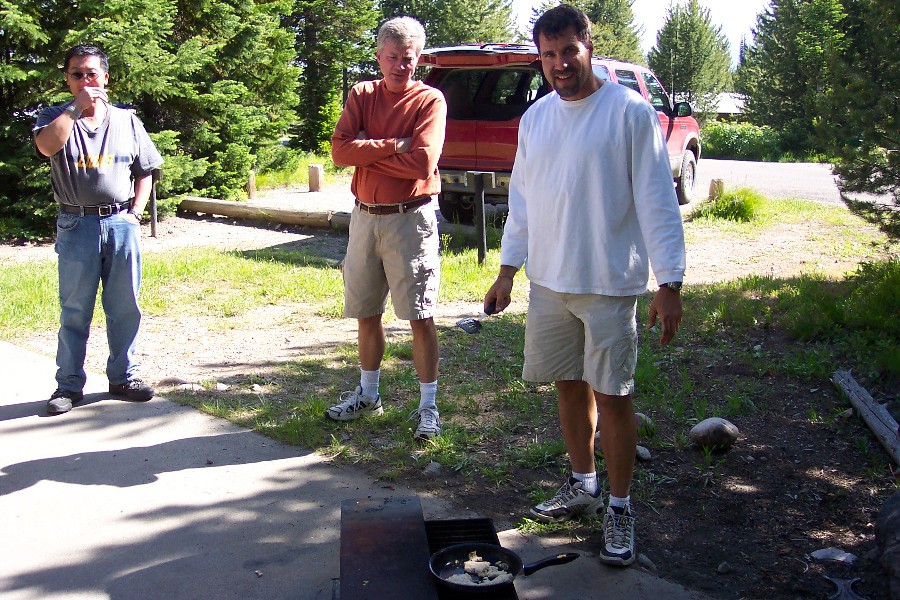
{"points": [[392, 132]]}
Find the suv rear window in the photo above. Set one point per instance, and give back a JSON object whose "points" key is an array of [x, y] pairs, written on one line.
{"points": [[629, 79], [491, 94]]}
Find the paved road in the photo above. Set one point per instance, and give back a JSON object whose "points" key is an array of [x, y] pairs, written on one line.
{"points": [[808, 181]]}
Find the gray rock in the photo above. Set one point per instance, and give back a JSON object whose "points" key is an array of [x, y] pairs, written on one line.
{"points": [[222, 387], [646, 563], [714, 432], [643, 454], [433, 469], [723, 569], [641, 421], [833, 555]]}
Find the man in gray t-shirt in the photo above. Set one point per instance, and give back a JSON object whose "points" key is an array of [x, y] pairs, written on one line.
{"points": [[101, 163]]}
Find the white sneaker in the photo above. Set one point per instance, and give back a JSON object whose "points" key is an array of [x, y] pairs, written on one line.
{"points": [[617, 548], [570, 501], [353, 405], [429, 422]]}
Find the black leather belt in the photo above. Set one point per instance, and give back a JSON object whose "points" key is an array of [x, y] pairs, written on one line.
{"points": [[104, 210], [393, 209]]}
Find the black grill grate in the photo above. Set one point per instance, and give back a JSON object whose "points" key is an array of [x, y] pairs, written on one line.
{"points": [[443, 533]]}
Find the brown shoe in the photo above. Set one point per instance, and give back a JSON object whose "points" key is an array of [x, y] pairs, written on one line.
{"points": [[133, 389]]}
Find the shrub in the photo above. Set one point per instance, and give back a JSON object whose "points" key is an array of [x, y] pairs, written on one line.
{"points": [[740, 141], [741, 205]]}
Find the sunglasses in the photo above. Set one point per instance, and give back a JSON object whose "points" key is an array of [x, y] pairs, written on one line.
{"points": [[77, 75]]}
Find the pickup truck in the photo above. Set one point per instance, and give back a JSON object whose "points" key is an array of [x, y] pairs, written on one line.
{"points": [[489, 86]]}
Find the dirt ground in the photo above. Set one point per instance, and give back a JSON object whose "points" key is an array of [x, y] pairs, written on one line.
{"points": [[808, 488]]}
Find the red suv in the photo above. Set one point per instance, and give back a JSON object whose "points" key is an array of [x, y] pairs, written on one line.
{"points": [[488, 87]]}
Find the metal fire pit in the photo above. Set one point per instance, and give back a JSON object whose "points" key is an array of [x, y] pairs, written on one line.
{"points": [[386, 544]]}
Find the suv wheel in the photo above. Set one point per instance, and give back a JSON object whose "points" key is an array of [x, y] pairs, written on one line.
{"points": [[455, 208], [684, 185]]}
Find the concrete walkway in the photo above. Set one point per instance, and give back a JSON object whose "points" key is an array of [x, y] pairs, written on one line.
{"points": [[138, 501]]}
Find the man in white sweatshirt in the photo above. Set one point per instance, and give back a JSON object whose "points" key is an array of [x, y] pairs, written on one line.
{"points": [[591, 206]]}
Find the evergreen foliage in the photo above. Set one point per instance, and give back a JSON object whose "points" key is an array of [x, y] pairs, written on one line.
{"points": [[212, 83], [331, 40], [785, 71], [613, 30], [692, 56], [452, 22], [858, 115]]}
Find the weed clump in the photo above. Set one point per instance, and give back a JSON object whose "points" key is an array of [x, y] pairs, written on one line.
{"points": [[741, 206]]}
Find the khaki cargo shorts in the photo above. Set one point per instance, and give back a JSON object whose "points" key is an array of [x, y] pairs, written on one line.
{"points": [[395, 253], [581, 337]]}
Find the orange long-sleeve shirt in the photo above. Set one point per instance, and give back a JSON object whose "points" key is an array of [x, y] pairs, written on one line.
{"points": [[365, 138]]}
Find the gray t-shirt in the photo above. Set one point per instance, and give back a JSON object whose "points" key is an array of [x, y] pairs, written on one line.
{"points": [[97, 167]]}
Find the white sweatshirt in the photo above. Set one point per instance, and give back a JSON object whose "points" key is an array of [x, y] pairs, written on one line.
{"points": [[591, 197]]}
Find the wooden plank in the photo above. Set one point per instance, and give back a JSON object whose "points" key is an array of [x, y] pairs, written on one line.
{"points": [[875, 416], [384, 550]]}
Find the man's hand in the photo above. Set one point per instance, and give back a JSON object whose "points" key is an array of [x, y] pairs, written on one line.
{"points": [[88, 96], [500, 292], [666, 304]]}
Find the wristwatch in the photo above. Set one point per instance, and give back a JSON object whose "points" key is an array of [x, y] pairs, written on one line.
{"points": [[74, 110], [672, 285]]}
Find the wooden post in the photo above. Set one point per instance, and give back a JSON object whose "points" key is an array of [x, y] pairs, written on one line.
{"points": [[716, 189], [155, 176], [480, 179], [316, 178], [251, 185]]}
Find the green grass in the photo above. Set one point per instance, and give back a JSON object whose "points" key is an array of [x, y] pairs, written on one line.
{"points": [[498, 427], [284, 167]]}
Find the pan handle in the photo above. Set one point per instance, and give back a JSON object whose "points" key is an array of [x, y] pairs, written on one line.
{"points": [[559, 559]]}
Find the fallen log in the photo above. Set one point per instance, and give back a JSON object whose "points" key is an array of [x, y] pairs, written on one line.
{"points": [[875, 415], [327, 219]]}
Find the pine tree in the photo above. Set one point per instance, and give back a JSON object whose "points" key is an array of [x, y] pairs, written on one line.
{"points": [[785, 70], [452, 22], [331, 38], [691, 56], [859, 118], [613, 30], [213, 83]]}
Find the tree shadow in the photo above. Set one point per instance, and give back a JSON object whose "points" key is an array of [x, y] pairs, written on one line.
{"points": [[883, 216]]}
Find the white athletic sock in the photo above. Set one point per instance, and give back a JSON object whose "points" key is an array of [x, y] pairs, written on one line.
{"points": [[428, 393], [588, 482], [620, 502], [368, 381]]}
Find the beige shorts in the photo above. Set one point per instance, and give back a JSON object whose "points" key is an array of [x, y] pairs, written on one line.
{"points": [[396, 253], [581, 337]]}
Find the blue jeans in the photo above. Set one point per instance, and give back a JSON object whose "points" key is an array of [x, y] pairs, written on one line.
{"points": [[93, 250]]}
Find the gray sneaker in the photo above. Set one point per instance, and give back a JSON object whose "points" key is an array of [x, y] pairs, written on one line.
{"points": [[61, 401], [353, 405], [429, 422], [570, 501], [617, 549]]}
